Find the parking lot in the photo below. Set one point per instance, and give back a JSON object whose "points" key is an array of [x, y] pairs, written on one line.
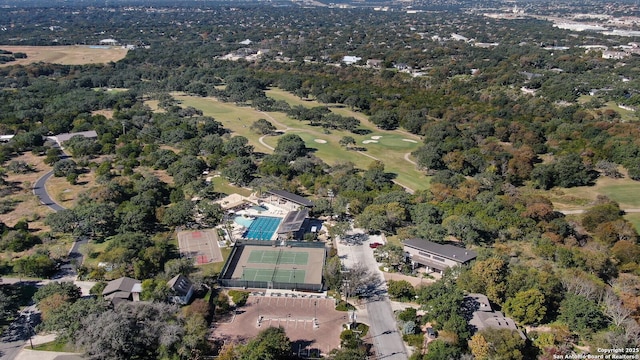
{"points": [[293, 312]]}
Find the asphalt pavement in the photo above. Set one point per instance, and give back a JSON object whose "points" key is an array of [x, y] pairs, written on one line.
{"points": [[378, 313], [40, 191]]}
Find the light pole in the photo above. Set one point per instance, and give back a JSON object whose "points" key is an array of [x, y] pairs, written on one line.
{"points": [[243, 278], [295, 284]]}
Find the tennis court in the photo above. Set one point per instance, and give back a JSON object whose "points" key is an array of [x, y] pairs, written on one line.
{"points": [[262, 228], [277, 257], [274, 267], [277, 275]]}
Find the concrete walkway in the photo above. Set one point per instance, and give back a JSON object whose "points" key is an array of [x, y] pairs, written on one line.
{"points": [[27, 354]]}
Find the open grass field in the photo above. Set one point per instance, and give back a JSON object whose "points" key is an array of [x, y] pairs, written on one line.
{"points": [[222, 185], [390, 147], [65, 193], [624, 191], [19, 193], [65, 55]]}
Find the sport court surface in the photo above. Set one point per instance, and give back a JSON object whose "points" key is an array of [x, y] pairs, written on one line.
{"points": [[262, 228], [280, 264], [201, 245], [295, 315]]}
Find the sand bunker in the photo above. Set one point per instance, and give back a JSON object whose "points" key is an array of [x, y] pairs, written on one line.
{"points": [[320, 141], [377, 137], [409, 140], [369, 141]]}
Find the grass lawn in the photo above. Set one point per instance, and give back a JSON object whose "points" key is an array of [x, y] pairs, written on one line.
{"points": [[215, 268], [391, 147], [624, 191], [634, 218], [57, 346], [222, 185]]}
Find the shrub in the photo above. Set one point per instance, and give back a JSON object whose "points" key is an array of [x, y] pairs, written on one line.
{"points": [[239, 297]]}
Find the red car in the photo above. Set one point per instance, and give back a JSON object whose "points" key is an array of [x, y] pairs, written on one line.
{"points": [[374, 245]]}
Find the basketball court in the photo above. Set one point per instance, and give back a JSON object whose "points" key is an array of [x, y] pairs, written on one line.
{"points": [[201, 246]]}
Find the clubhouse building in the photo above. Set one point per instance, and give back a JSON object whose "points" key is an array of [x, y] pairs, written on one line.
{"points": [[436, 257]]}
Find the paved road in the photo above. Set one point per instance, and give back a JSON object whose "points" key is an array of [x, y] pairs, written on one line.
{"points": [[582, 211], [378, 314], [40, 191], [17, 334]]}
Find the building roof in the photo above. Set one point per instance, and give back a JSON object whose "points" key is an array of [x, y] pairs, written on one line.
{"points": [[293, 221], [61, 138], [232, 201], [450, 252], [123, 284], [483, 318], [291, 197], [180, 284]]}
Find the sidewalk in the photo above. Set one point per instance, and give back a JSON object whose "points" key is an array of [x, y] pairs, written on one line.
{"points": [[27, 354]]}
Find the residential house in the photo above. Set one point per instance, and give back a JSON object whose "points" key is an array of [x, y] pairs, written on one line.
{"points": [[436, 257], [181, 288], [484, 317], [375, 63], [122, 289]]}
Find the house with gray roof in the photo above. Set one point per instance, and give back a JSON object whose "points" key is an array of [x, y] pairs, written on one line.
{"points": [[484, 317], [122, 289], [181, 289], [436, 257]]}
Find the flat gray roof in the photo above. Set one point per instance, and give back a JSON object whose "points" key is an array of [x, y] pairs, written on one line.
{"points": [[293, 221], [450, 252], [291, 197]]}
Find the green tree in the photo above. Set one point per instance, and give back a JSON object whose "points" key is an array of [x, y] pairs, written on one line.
{"points": [[527, 307], [291, 147], [501, 344], [66, 288], [581, 315], [439, 350], [270, 344], [401, 290], [179, 214], [347, 141], [263, 127]]}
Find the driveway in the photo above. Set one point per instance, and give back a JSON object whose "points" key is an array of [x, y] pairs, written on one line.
{"points": [[376, 312], [40, 191]]}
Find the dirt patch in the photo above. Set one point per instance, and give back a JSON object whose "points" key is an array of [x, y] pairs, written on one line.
{"points": [[20, 193], [65, 55], [415, 281], [295, 315], [106, 113]]}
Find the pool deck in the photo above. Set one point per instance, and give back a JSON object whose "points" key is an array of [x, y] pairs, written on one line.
{"points": [[272, 211]]}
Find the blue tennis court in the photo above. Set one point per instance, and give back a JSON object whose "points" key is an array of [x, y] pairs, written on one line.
{"points": [[262, 228]]}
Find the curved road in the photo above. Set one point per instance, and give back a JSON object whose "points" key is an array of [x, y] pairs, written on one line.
{"points": [[40, 191]]}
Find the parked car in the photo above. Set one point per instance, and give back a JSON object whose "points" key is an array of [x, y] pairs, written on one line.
{"points": [[374, 245]]}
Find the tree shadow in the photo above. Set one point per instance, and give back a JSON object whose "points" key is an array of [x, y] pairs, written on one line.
{"points": [[361, 131]]}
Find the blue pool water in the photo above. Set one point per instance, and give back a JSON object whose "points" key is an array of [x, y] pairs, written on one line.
{"points": [[262, 228], [241, 220]]}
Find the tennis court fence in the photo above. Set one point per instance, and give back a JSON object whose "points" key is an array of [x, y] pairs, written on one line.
{"points": [[303, 244], [239, 283]]}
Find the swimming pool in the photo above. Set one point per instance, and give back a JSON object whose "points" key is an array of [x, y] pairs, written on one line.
{"points": [[244, 221], [262, 228]]}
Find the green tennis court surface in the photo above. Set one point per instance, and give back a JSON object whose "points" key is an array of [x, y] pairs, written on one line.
{"points": [[280, 275], [278, 257]]}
